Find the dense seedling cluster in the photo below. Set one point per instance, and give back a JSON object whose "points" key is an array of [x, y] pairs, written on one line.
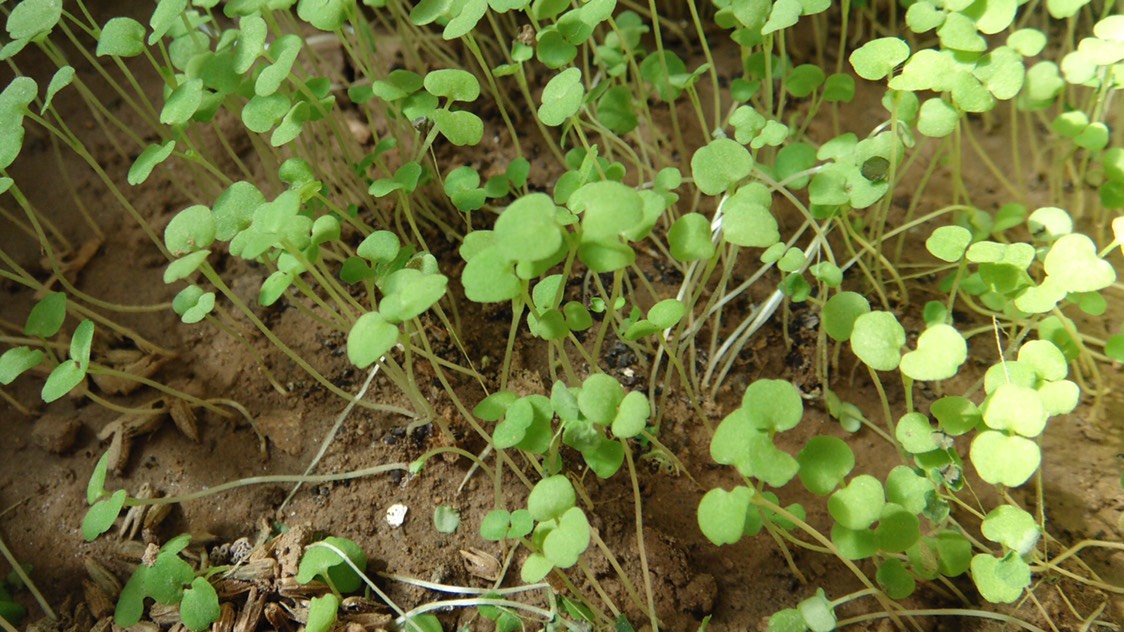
{"points": [[629, 143]]}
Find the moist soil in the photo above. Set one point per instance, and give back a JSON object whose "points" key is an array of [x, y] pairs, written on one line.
{"points": [[50, 453]]}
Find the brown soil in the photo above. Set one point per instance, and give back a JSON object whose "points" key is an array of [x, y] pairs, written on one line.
{"points": [[49, 455]]}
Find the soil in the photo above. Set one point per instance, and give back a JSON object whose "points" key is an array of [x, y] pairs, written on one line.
{"points": [[49, 454]]}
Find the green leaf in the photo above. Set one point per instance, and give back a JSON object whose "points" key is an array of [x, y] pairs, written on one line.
{"points": [[854, 544], [1000, 580], [527, 230], [64, 378], [446, 519], [941, 350], [13, 103], [409, 293], [166, 15], [551, 497], [325, 564], [1028, 42], [877, 58], [47, 316], [184, 266], [773, 405], [252, 33], [452, 83], [840, 312], [803, 80], [326, 15], [535, 567], [958, 32], [956, 415], [689, 238], [488, 277], [381, 246], [562, 97], [894, 578], [102, 514], [937, 120], [599, 397], [915, 434], [190, 230], [824, 462], [182, 102], [898, 529], [877, 340], [15, 361], [908, 489], [722, 515], [1012, 527], [1001, 459], [120, 37], [948, 243], [130, 604], [61, 79], [1073, 263], [283, 51], [565, 543], [859, 504], [839, 88], [785, 13], [471, 11], [459, 127], [370, 338], [1015, 408], [787, 620], [200, 605], [720, 164], [817, 611], [193, 304], [261, 113], [746, 219], [31, 19], [147, 161], [615, 110], [322, 613], [1060, 9], [632, 415]]}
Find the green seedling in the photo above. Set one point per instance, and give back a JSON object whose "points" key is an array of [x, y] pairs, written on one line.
{"points": [[561, 534], [325, 565], [169, 580]]}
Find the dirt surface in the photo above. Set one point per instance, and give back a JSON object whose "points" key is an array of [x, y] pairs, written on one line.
{"points": [[49, 454]]}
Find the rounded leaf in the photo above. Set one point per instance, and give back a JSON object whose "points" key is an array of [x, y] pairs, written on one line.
{"points": [[719, 164], [452, 83], [824, 462], [941, 350], [859, 504], [948, 243], [877, 340], [527, 229], [199, 607], [1001, 459], [101, 516], [877, 58], [773, 405], [191, 229], [689, 238], [840, 312], [551, 497], [370, 338], [562, 97], [722, 514]]}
